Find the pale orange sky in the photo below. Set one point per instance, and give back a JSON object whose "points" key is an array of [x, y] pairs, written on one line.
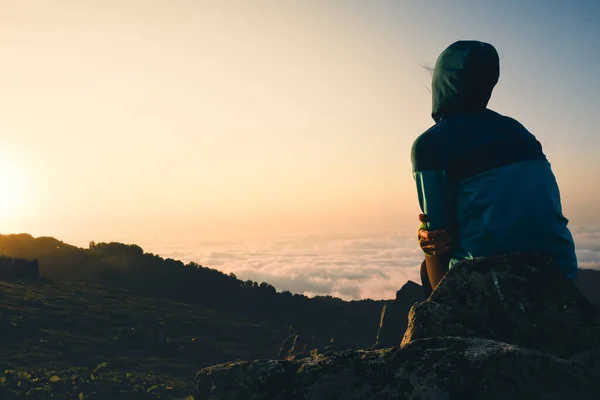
{"points": [[151, 119]]}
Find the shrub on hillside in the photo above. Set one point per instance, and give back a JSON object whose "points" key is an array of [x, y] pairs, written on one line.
{"points": [[17, 268]]}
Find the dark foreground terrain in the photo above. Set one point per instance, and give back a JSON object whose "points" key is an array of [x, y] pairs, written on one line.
{"points": [[82, 341], [127, 324], [497, 328]]}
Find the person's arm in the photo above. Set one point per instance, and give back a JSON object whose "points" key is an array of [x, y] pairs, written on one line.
{"points": [[435, 200], [436, 245], [433, 242]]}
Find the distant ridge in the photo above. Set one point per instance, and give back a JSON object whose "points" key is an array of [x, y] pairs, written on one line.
{"points": [[352, 323]]}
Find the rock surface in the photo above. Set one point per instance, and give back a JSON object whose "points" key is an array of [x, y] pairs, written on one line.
{"points": [[520, 299], [495, 328], [393, 314], [437, 368], [588, 281]]}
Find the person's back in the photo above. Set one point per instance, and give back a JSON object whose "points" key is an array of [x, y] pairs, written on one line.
{"points": [[482, 175]]}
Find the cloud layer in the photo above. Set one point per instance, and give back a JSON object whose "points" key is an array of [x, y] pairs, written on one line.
{"points": [[351, 267]]}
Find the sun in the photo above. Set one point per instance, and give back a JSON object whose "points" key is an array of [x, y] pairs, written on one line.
{"points": [[12, 189]]}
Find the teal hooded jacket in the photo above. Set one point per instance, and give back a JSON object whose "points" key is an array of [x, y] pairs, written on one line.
{"points": [[482, 175]]}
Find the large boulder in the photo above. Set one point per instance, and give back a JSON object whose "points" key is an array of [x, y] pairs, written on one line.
{"points": [[521, 299], [588, 281], [495, 328], [437, 368]]}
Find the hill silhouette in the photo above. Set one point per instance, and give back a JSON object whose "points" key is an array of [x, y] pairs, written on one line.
{"points": [[117, 265], [502, 327]]}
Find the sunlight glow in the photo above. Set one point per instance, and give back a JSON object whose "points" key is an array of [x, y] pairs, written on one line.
{"points": [[13, 195]]}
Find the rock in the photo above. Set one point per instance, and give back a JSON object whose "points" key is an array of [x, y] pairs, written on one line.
{"points": [[436, 368], [410, 292], [588, 281], [495, 328], [589, 360], [393, 315], [520, 299]]}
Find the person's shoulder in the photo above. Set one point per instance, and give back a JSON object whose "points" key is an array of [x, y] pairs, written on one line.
{"points": [[431, 136], [506, 121], [425, 148], [520, 134]]}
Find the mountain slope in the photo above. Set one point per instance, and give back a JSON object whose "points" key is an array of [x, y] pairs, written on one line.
{"points": [[353, 323], [56, 328]]}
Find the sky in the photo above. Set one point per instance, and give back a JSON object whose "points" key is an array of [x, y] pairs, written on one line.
{"points": [[201, 127]]}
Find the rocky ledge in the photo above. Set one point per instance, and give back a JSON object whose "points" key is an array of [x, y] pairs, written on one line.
{"points": [[495, 328]]}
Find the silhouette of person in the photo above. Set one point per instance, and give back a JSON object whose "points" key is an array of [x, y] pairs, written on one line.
{"points": [[484, 184]]}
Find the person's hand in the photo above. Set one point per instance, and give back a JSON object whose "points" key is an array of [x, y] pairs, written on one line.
{"points": [[434, 242]]}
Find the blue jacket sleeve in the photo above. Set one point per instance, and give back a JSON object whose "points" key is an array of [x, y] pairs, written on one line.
{"points": [[433, 187], [434, 198]]}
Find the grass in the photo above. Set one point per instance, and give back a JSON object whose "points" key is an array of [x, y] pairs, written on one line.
{"points": [[81, 341]]}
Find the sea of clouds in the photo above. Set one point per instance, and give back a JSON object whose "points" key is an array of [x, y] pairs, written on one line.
{"points": [[351, 267]]}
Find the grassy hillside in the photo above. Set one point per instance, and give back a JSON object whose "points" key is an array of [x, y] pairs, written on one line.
{"points": [[65, 339], [128, 267]]}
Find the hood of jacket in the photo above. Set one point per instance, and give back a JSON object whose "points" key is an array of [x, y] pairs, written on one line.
{"points": [[463, 78]]}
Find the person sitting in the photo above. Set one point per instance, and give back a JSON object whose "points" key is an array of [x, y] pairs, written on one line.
{"points": [[484, 185]]}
